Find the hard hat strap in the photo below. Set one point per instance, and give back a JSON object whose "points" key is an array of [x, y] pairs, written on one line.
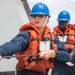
{"points": [[67, 25], [45, 22]]}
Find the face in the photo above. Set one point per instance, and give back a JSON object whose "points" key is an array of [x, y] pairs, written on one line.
{"points": [[39, 20], [63, 25]]}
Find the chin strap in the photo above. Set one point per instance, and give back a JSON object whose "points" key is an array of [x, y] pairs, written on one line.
{"points": [[45, 22]]}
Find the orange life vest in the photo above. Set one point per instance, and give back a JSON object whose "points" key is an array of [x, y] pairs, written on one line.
{"points": [[67, 37], [33, 48], [73, 27]]}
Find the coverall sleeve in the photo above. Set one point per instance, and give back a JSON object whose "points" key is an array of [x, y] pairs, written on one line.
{"points": [[18, 43], [62, 55]]}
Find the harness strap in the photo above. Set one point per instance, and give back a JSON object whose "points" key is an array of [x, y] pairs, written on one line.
{"points": [[31, 59], [64, 35], [33, 39]]}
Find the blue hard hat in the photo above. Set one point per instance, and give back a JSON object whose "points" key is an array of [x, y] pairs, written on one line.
{"points": [[63, 16], [40, 8]]}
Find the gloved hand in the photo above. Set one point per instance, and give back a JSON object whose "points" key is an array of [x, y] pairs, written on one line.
{"points": [[69, 47]]}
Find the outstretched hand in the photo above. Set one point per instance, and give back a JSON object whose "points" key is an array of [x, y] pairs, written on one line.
{"points": [[46, 54]]}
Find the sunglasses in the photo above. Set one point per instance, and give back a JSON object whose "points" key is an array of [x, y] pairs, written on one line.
{"points": [[40, 16], [63, 21]]}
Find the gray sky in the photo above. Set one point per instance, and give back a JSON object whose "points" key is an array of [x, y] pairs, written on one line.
{"points": [[55, 7]]}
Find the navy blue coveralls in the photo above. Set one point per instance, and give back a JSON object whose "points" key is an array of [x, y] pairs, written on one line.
{"points": [[20, 43]]}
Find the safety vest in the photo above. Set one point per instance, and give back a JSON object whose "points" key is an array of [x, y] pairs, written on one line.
{"points": [[33, 48], [73, 26], [67, 37]]}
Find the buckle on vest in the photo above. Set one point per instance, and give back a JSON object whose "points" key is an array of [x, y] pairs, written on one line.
{"points": [[31, 59]]}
